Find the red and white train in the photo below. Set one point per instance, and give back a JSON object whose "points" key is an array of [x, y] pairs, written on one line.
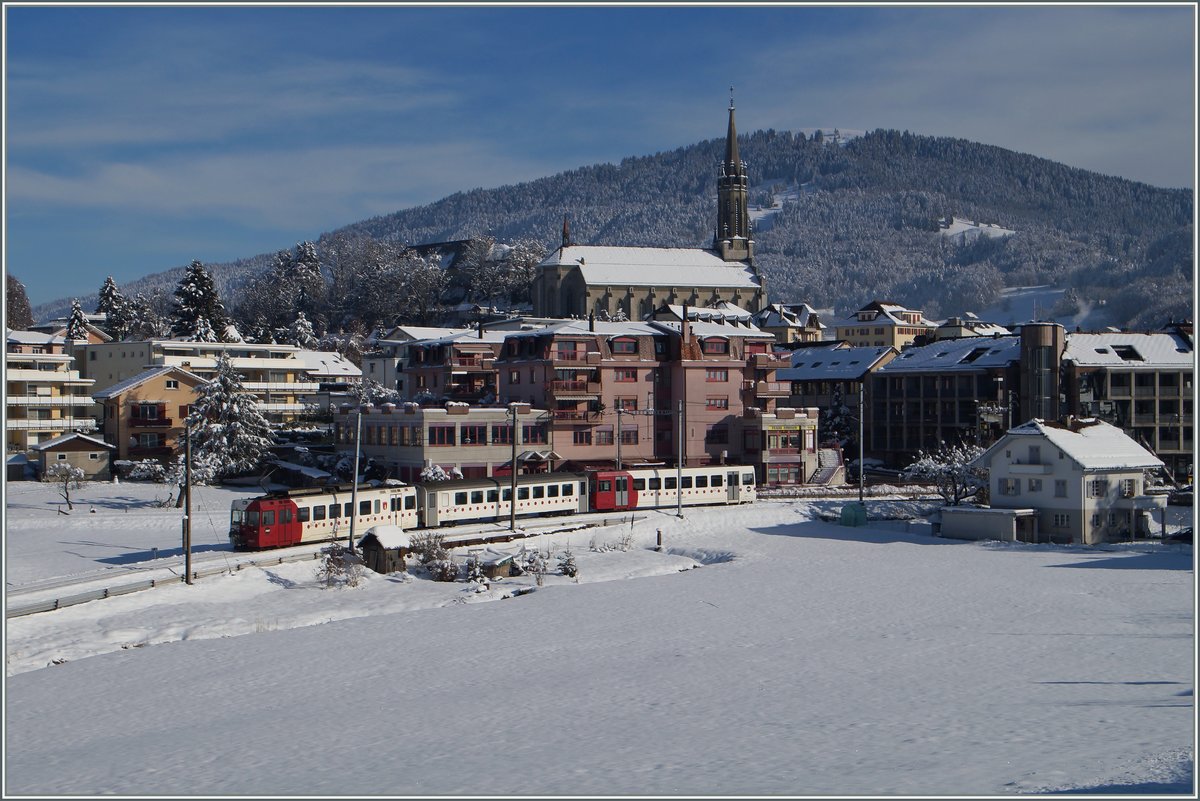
{"points": [[292, 517]]}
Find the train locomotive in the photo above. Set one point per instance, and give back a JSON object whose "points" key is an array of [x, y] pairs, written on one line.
{"points": [[320, 514]]}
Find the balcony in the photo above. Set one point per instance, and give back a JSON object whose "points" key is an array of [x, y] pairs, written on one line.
{"points": [[59, 424], [151, 422], [278, 386], [150, 453], [572, 415], [769, 361], [587, 389], [472, 362], [773, 389], [49, 400]]}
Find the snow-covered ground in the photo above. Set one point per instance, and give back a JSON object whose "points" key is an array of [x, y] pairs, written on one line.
{"points": [[765, 652]]}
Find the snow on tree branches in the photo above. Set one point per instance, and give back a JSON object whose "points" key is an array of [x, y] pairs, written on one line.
{"points": [[198, 313], [77, 324], [230, 434], [949, 470]]}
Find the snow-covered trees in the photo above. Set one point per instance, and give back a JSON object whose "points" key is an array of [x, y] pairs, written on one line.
{"points": [[301, 333], [67, 476], [229, 433], [145, 320], [198, 313], [949, 470], [17, 313], [339, 567], [76, 323], [117, 309]]}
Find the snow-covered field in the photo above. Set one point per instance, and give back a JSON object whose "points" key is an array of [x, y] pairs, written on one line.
{"points": [[765, 652]]}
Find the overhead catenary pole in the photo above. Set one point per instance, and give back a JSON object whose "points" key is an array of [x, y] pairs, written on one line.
{"points": [[861, 467], [619, 410], [512, 498], [679, 465], [187, 504], [354, 478]]}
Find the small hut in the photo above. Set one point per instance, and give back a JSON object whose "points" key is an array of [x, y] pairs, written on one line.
{"points": [[383, 548]]}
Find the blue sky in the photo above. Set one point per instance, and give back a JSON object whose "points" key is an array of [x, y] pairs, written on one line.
{"points": [[140, 138]]}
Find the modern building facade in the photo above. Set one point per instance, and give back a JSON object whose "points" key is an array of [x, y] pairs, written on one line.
{"points": [[45, 396]]}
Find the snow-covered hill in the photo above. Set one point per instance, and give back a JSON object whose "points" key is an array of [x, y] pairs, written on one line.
{"points": [[790, 656]]}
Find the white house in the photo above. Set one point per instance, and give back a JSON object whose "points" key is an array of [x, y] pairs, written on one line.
{"points": [[1084, 479]]}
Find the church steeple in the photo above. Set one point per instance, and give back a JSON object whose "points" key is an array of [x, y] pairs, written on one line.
{"points": [[732, 237]]}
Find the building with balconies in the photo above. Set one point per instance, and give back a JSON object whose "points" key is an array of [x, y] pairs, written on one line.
{"points": [[1085, 479], [287, 380], [1139, 382], [791, 323], [45, 396], [144, 417], [457, 367]]}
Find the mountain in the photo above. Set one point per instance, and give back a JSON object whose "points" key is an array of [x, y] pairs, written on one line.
{"points": [[844, 221]]}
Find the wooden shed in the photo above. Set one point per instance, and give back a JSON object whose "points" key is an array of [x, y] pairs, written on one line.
{"points": [[78, 450], [383, 548]]}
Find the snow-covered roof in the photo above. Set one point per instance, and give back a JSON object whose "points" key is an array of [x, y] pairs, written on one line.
{"points": [[1129, 350], [1093, 444], [780, 315], [303, 469], [603, 328], [406, 333], [33, 338], [636, 266], [140, 378], [831, 364], [466, 338], [61, 438], [702, 330], [723, 312], [969, 353], [388, 534], [887, 313], [323, 363]]}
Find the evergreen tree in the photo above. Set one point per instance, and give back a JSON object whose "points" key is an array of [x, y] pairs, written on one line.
{"points": [[77, 323], [17, 313], [117, 309], [229, 433], [145, 322], [195, 298], [301, 333]]}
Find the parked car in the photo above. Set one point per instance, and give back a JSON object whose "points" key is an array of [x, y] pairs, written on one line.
{"points": [[1181, 496], [1183, 535]]}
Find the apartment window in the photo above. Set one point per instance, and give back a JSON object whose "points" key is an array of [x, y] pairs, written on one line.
{"points": [[441, 435], [629, 436], [717, 435], [1035, 485], [95, 457], [1097, 488], [716, 403], [1010, 486], [514, 376], [715, 346], [716, 375], [474, 434], [1060, 488], [624, 345], [502, 434], [626, 404], [1128, 487], [604, 436], [625, 375], [582, 437], [172, 383], [62, 457], [1061, 520], [1035, 454], [534, 433]]}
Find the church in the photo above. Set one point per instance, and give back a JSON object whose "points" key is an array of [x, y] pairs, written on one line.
{"points": [[578, 280]]}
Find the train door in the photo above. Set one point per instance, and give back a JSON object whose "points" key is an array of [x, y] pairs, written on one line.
{"points": [[733, 487], [621, 492], [279, 525]]}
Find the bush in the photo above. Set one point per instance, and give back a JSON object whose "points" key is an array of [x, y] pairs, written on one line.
{"points": [[339, 567], [566, 564], [443, 570], [428, 547]]}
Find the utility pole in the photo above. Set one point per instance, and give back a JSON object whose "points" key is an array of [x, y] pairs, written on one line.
{"points": [[512, 500], [619, 410], [861, 467], [354, 478], [679, 465], [187, 504]]}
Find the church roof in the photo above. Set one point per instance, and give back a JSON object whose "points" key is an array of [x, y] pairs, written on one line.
{"points": [[662, 267]]}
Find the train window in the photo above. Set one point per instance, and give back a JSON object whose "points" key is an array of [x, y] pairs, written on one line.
{"points": [[364, 507], [552, 491], [522, 493], [686, 482], [702, 481], [669, 482], [318, 513], [567, 490], [302, 514], [376, 506], [507, 495], [747, 479], [655, 483], [335, 511], [347, 509], [285, 516], [493, 496], [477, 496], [718, 481], [539, 492], [410, 501], [639, 483], [605, 486], [268, 518], [252, 519], [460, 498], [394, 503]]}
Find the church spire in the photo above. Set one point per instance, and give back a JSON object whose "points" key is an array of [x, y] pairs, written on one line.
{"points": [[732, 237]]}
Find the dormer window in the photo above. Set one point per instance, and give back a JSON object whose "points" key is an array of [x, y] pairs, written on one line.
{"points": [[714, 345], [624, 345]]}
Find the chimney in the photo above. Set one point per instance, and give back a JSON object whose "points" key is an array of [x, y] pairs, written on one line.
{"points": [[685, 330], [481, 329], [591, 321]]}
